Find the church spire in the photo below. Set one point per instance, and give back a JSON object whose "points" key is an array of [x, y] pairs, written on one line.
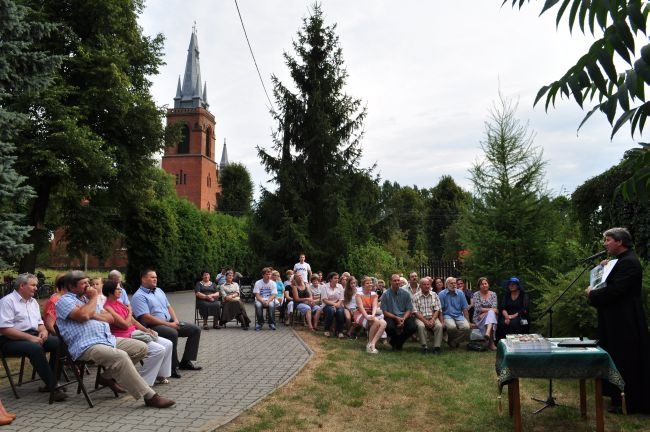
{"points": [[191, 95], [224, 157]]}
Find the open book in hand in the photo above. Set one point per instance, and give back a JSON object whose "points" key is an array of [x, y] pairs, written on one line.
{"points": [[598, 274]]}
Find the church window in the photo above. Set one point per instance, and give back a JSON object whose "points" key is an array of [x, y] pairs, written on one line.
{"points": [[184, 145], [208, 142]]}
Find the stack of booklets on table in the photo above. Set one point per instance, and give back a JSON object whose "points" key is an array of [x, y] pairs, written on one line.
{"points": [[527, 343]]}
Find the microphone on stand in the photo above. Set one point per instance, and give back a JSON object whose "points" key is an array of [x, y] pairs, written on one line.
{"points": [[594, 256]]}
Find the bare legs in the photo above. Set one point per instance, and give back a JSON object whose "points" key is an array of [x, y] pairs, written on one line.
{"points": [[5, 416], [377, 327]]}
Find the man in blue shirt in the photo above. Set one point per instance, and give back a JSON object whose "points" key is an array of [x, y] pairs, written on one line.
{"points": [[152, 309], [455, 313], [398, 312]]}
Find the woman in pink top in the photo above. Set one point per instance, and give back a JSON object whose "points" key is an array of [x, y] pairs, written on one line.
{"points": [[157, 365]]}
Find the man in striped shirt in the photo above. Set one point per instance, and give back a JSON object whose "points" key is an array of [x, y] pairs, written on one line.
{"points": [[426, 308]]}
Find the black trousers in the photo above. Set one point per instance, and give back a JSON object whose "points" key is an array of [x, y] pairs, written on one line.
{"points": [[396, 337], [35, 353], [193, 335]]}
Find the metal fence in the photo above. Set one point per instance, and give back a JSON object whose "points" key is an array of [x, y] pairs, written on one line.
{"points": [[441, 269]]}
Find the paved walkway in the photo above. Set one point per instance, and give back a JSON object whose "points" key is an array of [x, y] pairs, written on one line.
{"points": [[239, 368]]}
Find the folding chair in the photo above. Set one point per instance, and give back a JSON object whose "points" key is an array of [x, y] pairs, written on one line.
{"points": [[20, 373], [78, 368]]}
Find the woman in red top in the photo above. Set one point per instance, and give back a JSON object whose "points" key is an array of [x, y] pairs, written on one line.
{"points": [[157, 365]]}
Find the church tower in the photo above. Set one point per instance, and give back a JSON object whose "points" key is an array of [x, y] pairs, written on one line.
{"points": [[192, 160]]}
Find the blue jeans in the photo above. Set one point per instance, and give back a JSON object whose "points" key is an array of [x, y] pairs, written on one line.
{"points": [[330, 313], [259, 312]]}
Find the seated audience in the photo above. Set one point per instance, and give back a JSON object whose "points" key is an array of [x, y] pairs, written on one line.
{"points": [[97, 283], [157, 364], [381, 287], [22, 331], [49, 312], [85, 328], [265, 291], [285, 297], [426, 308], [116, 276], [461, 286], [368, 315], [332, 299], [412, 287], [281, 300], [315, 289], [485, 311], [208, 300], [438, 285], [231, 304], [486, 315], [455, 313], [153, 310], [350, 292], [397, 307], [514, 310], [304, 301]]}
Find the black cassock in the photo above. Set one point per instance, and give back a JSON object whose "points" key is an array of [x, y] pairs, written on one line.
{"points": [[623, 331]]}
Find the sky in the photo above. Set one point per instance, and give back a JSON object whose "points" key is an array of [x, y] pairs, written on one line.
{"points": [[428, 72]]}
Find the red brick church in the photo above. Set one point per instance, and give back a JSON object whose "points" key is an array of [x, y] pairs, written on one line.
{"points": [[192, 161]]}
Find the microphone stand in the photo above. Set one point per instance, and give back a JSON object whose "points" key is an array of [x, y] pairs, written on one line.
{"points": [[550, 400]]}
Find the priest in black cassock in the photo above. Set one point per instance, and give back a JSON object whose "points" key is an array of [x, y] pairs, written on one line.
{"points": [[622, 326]]}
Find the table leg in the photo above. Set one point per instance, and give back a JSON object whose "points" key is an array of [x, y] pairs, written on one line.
{"points": [[510, 398], [583, 399], [600, 422], [516, 404]]}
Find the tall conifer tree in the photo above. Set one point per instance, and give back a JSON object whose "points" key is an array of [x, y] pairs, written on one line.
{"points": [[23, 70], [504, 225], [315, 158]]}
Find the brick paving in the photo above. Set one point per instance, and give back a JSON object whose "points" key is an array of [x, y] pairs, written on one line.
{"points": [[235, 375]]}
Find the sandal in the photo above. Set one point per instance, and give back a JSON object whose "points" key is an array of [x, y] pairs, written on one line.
{"points": [[216, 326], [161, 380], [205, 327]]}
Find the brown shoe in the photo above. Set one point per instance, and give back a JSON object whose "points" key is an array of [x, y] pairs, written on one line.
{"points": [[157, 401], [106, 382], [59, 396]]}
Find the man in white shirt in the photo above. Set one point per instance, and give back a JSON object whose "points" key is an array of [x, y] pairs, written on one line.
{"points": [[265, 291], [22, 331], [303, 268]]}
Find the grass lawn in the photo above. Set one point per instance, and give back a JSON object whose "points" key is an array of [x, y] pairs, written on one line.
{"points": [[344, 389]]}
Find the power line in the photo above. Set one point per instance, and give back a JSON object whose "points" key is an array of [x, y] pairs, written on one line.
{"points": [[253, 55]]}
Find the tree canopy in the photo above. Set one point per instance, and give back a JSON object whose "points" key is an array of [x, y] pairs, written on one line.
{"points": [[24, 70], [93, 132], [595, 79], [236, 190]]}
